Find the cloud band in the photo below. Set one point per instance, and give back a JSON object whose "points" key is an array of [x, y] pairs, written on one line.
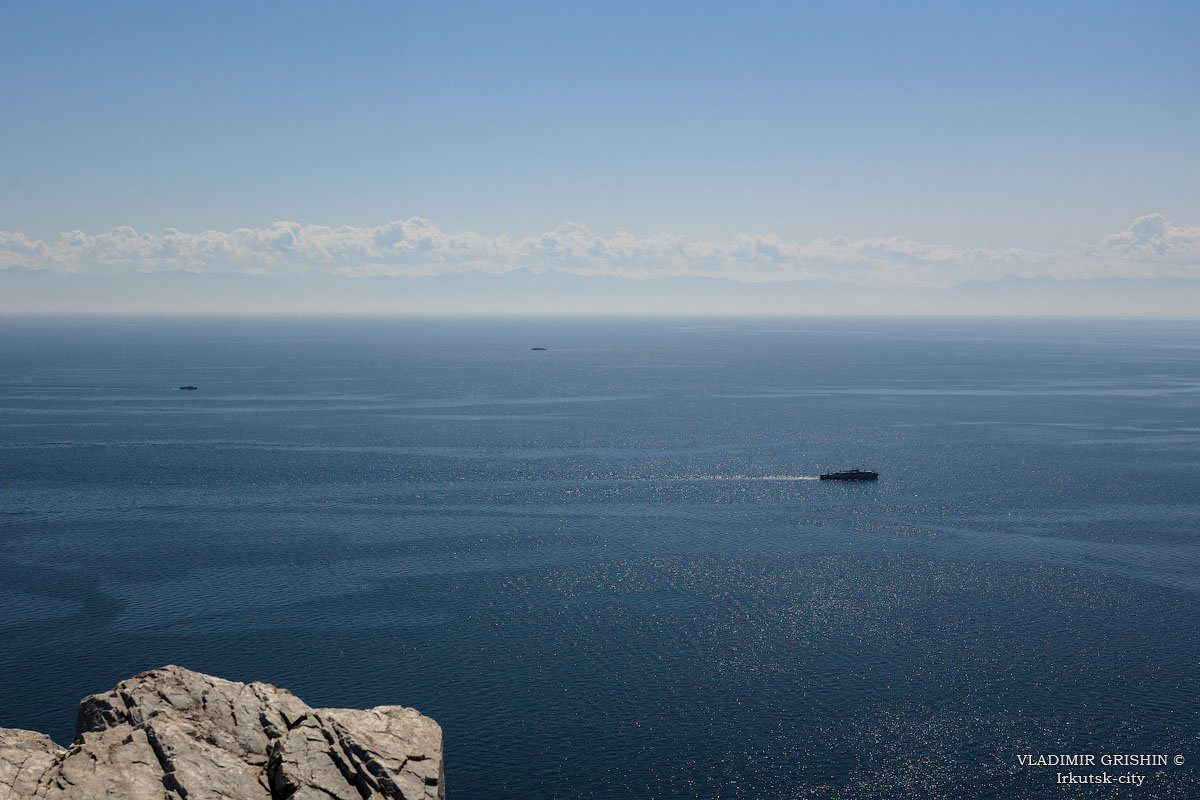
{"points": [[1150, 247]]}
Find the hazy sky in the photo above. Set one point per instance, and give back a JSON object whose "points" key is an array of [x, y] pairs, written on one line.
{"points": [[972, 139]]}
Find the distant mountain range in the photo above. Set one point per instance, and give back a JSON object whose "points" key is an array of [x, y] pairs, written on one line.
{"points": [[523, 292]]}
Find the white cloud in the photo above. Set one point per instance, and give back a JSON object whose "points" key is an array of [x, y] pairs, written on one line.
{"points": [[1150, 246]]}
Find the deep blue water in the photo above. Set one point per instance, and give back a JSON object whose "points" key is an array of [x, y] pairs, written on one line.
{"points": [[603, 568]]}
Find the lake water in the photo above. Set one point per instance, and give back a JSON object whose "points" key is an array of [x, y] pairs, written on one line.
{"points": [[605, 568]]}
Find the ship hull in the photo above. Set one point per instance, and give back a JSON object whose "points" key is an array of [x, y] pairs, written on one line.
{"points": [[850, 476]]}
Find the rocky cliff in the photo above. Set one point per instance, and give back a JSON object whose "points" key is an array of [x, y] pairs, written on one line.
{"points": [[173, 734]]}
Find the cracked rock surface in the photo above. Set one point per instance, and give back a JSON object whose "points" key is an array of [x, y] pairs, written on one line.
{"points": [[174, 734]]}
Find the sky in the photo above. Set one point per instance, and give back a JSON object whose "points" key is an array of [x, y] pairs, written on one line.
{"points": [[905, 144]]}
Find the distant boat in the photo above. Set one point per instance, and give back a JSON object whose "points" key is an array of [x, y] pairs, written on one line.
{"points": [[851, 475], [537, 348], [187, 388]]}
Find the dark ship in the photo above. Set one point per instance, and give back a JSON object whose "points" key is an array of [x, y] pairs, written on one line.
{"points": [[851, 475]]}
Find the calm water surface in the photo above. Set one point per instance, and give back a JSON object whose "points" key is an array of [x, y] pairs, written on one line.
{"points": [[604, 568]]}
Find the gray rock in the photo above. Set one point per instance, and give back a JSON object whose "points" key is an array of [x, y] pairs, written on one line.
{"points": [[25, 757], [173, 734]]}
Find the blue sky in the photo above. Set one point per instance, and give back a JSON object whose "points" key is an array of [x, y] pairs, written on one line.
{"points": [[1038, 127]]}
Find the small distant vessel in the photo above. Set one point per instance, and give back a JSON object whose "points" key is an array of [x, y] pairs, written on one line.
{"points": [[187, 388], [851, 475], [537, 348]]}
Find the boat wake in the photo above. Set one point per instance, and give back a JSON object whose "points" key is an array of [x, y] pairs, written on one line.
{"points": [[758, 478]]}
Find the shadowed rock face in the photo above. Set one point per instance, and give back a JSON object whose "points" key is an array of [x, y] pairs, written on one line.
{"points": [[173, 734]]}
